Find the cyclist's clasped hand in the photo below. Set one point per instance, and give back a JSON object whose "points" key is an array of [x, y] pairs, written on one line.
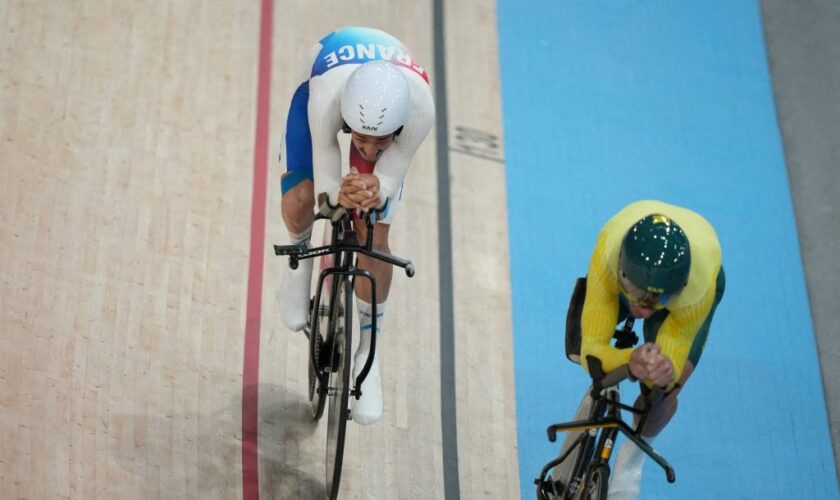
{"points": [[359, 191], [647, 363]]}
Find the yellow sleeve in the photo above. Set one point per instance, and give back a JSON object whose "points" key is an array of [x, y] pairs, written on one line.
{"points": [[600, 311], [677, 333]]}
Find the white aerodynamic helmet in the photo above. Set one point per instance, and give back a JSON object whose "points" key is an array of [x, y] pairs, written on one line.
{"points": [[375, 99]]}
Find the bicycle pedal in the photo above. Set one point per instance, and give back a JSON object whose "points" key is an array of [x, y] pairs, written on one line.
{"points": [[549, 487]]}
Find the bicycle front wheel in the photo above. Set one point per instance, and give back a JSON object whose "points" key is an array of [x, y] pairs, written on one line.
{"points": [[598, 483], [339, 382]]}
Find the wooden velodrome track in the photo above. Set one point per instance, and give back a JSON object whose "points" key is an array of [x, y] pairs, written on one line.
{"points": [[128, 165]]}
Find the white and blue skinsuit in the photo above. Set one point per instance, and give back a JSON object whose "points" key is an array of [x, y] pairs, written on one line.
{"points": [[314, 120]]}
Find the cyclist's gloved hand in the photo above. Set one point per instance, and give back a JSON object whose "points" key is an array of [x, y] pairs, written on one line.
{"points": [[648, 363], [360, 192]]}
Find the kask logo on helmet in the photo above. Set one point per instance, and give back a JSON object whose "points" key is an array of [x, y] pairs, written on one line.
{"points": [[660, 219], [364, 125]]}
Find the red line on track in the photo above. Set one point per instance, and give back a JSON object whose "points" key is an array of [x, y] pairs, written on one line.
{"points": [[251, 370]]}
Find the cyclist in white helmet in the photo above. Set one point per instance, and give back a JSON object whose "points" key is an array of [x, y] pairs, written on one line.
{"points": [[365, 82]]}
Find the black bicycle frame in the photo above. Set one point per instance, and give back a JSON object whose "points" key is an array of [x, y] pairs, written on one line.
{"points": [[344, 244], [612, 419]]}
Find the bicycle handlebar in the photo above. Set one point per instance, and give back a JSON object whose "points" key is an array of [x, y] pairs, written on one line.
{"points": [[613, 377], [600, 380], [349, 244]]}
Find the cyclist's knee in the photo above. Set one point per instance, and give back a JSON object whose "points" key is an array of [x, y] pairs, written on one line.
{"points": [[688, 369], [659, 415], [380, 237], [293, 180], [298, 203]]}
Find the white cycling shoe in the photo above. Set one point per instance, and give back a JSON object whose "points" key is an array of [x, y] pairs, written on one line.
{"points": [[368, 408], [293, 295]]}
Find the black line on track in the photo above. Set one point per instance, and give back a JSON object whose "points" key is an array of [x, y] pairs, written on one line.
{"points": [[448, 417]]}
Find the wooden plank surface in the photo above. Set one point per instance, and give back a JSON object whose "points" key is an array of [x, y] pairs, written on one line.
{"points": [[127, 133], [488, 461]]}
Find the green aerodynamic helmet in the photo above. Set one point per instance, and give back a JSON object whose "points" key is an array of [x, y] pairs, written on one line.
{"points": [[655, 255]]}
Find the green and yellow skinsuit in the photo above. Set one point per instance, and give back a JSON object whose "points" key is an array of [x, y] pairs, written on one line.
{"points": [[681, 327]]}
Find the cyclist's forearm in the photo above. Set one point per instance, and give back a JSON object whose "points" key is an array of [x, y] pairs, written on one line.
{"points": [[393, 166], [611, 358]]}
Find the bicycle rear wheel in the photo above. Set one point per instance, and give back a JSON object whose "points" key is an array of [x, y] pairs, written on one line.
{"points": [[318, 359], [319, 324], [339, 382]]}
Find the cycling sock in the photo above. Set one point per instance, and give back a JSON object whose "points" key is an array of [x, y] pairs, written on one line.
{"points": [[365, 310], [627, 471], [301, 237]]}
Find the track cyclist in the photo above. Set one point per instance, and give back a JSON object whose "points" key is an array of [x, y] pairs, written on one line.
{"points": [[364, 82], [662, 263]]}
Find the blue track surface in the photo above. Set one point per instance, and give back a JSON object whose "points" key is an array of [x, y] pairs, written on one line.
{"points": [[609, 102]]}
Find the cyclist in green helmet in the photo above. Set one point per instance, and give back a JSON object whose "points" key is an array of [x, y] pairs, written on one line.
{"points": [[662, 263]]}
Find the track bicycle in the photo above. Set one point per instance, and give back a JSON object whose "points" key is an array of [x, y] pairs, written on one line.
{"points": [[329, 327], [586, 475]]}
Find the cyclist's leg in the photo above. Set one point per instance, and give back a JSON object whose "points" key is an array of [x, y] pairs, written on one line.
{"points": [[382, 271], [629, 460], [662, 413], [297, 182], [624, 483], [297, 206], [563, 471], [368, 409], [702, 334]]}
